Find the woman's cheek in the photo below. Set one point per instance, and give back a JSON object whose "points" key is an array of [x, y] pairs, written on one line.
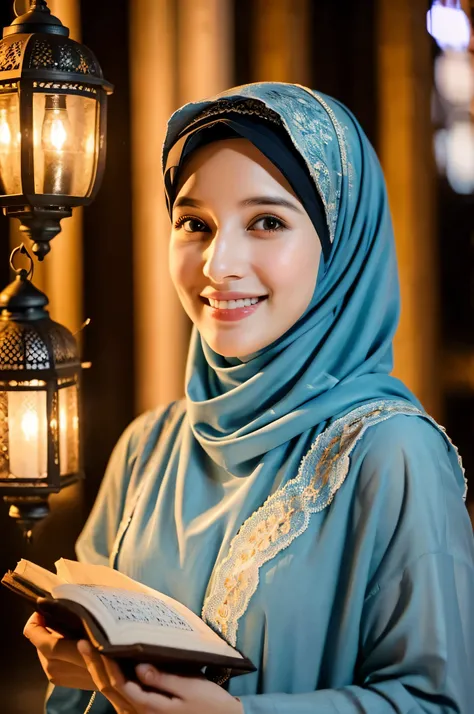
{"points": [[184, 267], [293, 274], [286, 267]]}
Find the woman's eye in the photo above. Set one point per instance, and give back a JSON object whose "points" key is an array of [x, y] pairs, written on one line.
{"points": [[267, 223], [191, 225]]}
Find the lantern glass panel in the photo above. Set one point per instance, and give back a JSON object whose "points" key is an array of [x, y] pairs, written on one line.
{"points": [[68, 430], [10, 136], [27, 434], [65, 131], [4, 434]]}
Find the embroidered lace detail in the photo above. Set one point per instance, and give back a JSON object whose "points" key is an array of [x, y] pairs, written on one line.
{"points": [[347, 167], [241, 106], [286, 514], [316, 135], [313, 129]]}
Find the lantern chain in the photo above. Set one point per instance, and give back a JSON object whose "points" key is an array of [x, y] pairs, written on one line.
{"points": [[35, 6], [21, 271]]}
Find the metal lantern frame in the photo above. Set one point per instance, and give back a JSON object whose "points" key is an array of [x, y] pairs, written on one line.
{"points": [[51, 381], [38, 57], [36, 354]]}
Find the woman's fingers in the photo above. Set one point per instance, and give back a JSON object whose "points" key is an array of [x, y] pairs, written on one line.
{"points": [[51, 644], [64, 674], [35, 627], [95, 664], [149, 701], [113, 671], [170, 684], [176, 686]]}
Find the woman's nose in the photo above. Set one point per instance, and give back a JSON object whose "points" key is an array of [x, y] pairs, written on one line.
{"points": [[224, 258]]}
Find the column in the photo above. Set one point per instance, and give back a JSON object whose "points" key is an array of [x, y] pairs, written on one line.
{"points": [[405, 141], [180, 51], [280, 40]]}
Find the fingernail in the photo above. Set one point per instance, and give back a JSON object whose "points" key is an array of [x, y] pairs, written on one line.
{"points": [[83, 647], [145, 672]]}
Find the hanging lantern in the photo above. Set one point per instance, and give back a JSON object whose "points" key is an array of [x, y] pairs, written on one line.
{"points": [[52, 124], [39, 401]]}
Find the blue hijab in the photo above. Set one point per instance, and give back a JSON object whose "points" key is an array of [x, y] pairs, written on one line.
{"points": [[338, 355], [363, 606]]}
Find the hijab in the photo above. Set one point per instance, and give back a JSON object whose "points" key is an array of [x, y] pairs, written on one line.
{"points": [[338, 355]]}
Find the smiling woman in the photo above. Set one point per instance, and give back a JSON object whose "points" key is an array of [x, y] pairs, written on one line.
{"points": [[249, 240], [299, 497]]}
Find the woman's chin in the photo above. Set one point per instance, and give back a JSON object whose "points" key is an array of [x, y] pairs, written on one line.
{"points": [[236, 349]]}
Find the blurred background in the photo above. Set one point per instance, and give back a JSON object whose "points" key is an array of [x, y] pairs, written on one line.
{"points": [[413, 94]]}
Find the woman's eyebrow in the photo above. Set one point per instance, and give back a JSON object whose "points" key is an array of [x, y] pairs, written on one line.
{"points": [[270, 201], [188, 201], [254, 201]]}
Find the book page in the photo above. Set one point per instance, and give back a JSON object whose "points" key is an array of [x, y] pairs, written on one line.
{"points": [[72, 571], [37, 575], [125, 606], [130, 618]]}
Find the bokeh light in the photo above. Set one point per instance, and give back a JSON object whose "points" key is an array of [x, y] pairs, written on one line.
{"points": [[449, 26]]}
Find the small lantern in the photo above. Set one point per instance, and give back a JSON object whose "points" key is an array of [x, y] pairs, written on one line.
{"points": [[39, 401], [52, 124]]}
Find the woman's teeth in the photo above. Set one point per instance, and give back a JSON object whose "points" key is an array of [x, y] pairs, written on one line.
{"points": [[232, 304]]}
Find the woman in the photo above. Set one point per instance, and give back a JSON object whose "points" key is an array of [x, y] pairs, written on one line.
{"points": [[299, 496]]}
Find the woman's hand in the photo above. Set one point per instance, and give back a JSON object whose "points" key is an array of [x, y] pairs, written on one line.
{"points": [[174, 695], [62, 663]]}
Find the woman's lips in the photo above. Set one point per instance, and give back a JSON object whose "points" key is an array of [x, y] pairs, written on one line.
{"points": [[233, 314]]}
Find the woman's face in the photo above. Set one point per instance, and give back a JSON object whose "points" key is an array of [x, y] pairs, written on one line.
{"points": [[244, 254]]}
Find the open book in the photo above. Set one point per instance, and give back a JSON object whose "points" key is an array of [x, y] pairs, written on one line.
{"points": [[123, 618]]}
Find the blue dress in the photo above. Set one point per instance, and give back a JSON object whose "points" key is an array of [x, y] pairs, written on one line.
{"points": [[300, 499], [369, 609]]}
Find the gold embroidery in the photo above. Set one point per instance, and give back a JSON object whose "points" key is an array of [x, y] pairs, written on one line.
{"points": [[286, 514]]}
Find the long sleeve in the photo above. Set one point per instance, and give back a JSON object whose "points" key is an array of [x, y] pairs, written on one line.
{"points": [[95, 542], [97, 537], [410, 552], [417, 649]]}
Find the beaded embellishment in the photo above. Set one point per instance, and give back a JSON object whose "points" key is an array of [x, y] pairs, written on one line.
{"points": [[286, 514]]}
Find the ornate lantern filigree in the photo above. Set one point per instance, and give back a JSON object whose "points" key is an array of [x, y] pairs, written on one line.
{"points": [[39, 402], [52, 124]]}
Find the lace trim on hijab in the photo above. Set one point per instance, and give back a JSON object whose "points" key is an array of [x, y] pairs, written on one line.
{"points": [[347, 167], [316, 130], [286, 514], [252, 107]]}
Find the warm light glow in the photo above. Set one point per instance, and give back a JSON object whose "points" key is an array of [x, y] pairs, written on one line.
{"points": [[10, 141], [27, 434], [57, 143], [90, 144], [63, 419], [58, 135], [68, 430], [29, 425], [5, 132], [63, 440]]}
